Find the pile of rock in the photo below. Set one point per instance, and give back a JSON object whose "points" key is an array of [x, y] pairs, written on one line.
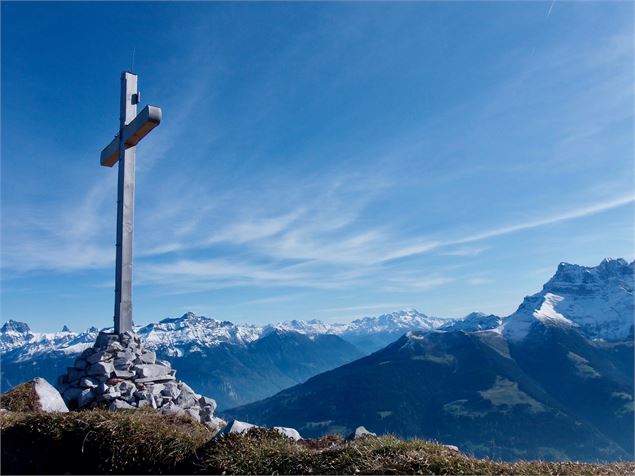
{"points": [[118, 373]]}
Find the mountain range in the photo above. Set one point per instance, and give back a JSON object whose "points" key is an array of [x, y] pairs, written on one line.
{"points": [[553, 380], [235, 363]]}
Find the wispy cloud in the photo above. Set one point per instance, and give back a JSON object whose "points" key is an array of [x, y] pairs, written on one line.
{"points": [[363, 220], [464, 251]]}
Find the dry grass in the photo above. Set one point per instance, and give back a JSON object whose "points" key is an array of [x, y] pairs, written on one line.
{"points": [[21, 398], [266, 452], [98, 442], [144, 442]]}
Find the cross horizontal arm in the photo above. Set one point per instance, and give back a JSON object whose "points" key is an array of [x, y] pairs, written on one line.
{"points": [[139, 127]]}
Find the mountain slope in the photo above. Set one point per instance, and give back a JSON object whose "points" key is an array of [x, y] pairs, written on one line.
{"points": [[458, 388], [547, 381], [236, 374]]}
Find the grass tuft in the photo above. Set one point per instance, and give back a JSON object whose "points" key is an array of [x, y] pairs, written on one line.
{"points": [[145, 442], [21, 398]]}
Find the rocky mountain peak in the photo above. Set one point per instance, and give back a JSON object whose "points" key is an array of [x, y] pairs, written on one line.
{"points": [[597, 300], [15, 326]]}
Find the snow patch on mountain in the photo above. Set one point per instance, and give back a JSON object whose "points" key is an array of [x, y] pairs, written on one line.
{"points": [[395, 322], [597, 300], [474, 322], [189, 330]]}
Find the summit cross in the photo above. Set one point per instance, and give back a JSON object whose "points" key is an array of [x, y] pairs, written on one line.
{"points": [[132, 128]]}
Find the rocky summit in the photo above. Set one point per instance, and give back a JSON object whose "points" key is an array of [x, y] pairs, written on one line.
{"points": [[120, 374]]}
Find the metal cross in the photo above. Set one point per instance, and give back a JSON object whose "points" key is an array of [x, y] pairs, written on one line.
{"points": [[132, 128]]}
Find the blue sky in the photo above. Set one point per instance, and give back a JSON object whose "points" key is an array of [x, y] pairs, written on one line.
{"points": [[320, 160]]}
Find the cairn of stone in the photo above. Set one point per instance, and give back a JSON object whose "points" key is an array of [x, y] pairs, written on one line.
{"points": [[118, 373]]}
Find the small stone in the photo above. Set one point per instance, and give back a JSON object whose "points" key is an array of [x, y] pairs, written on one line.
{"points": [[360, 432], [194, 413], [235, 426], [86, 397], [123, 373], [156, 388], [163, 363], [148, 357], [127, 387], [185, 400], [101, 368], [163, 400], [115, 346], [87, 383], [215, 423], [171, 390], [143, 404], [100, 356], [111, 395], [122, 363], [187, 389], [104, 339], [453, 448], [149, 370], [160, 378], [205, 401], [288, 432], [171, 408], [120, 405], [127, 354]]}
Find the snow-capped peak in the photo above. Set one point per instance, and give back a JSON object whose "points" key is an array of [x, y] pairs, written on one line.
{"points": [[310, 327], [598, 300], [400, 321], [474, 322], [16, 327], [191, 329]]}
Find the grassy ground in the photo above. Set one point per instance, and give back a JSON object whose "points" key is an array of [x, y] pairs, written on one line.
{"points": [[21, 398], [144, 442]]}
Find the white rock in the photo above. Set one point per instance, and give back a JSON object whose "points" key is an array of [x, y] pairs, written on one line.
{"points": [[360, 432], [288, 432], [101, 368], [194, 413], [235, 426], [120, 405], [150, 370], [214, 423], [171, 390], [87, 383], [148, 357], [49, 398], [452, 448], [172, 409], [205, 401]]}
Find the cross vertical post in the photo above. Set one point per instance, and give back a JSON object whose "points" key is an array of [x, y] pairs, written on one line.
{"points": [[133, 128], [125, 207]]}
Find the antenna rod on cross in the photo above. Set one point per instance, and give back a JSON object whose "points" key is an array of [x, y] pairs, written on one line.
{"points": [[132, 129]]}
